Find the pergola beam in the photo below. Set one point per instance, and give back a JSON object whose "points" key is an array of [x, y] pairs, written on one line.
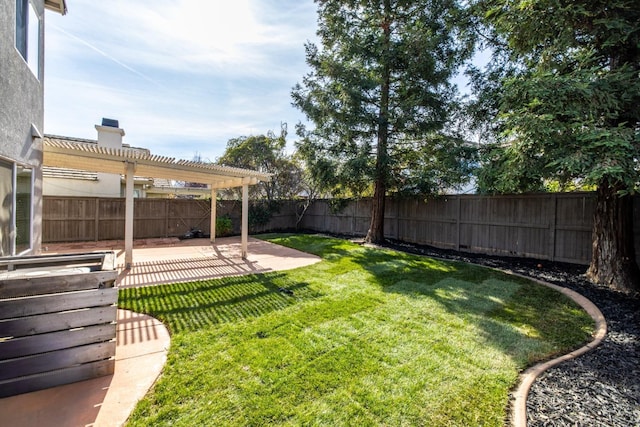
{"points": [[81, 155], [90, 157], [117, 166]]}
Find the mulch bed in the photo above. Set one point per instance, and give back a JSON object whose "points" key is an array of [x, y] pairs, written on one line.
{"points": [[599, 388]]}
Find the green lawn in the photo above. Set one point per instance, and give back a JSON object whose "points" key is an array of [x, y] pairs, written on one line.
{"points": [[368, 337]]}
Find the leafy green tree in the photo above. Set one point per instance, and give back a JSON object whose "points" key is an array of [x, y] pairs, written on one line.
{"points": [[265, 153], [567, 107], [380, 99]]}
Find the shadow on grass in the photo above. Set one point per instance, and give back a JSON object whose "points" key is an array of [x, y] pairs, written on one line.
{"points": [[193, 305], [518, 317]]}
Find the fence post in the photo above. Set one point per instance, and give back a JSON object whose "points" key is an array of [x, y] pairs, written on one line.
{"points": [[354, 219], [554, 226], [166, 217], [397, 202], [96, 217], [324, 217], [458, 197]]}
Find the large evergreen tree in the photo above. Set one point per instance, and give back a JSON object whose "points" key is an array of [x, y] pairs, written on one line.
{"points": [[380, 98], [568, 106]]}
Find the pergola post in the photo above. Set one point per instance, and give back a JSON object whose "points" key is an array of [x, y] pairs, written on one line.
{"points": [[128, 219], [214, 196], [244, 230]]}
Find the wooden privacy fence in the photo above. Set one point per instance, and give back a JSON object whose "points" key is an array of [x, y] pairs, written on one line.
{"points": [[83, 219], [80, 219], [553, 226]]}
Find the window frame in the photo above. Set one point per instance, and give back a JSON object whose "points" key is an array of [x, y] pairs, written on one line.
{"points": [[19, 245], [28, 35], [13, 230]]}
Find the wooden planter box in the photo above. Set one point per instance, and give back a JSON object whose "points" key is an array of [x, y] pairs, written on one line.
{"points": [[57, 320]]}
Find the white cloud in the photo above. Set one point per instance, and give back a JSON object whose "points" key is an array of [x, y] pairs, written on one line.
{"points": [[182, 76], [239, 36]]}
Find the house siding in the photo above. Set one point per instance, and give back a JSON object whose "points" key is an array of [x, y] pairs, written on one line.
{"points": [[22, 104]]}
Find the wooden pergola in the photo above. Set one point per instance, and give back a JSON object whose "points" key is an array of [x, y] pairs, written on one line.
{"points": [[87, 156]]}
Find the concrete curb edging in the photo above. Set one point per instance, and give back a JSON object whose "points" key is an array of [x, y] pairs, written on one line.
{"points": [[519, 402]]}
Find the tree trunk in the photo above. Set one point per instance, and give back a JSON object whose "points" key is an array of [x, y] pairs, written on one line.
{"points": [[613, 259], [376, 229]]}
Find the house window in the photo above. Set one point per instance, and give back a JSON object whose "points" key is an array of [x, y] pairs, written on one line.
{"points": [[28, 34], [24, 185], [6, 213], [16, 215]]}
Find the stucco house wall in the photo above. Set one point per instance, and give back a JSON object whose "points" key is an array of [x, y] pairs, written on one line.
{"points": [[21, 113], [21, 122]]}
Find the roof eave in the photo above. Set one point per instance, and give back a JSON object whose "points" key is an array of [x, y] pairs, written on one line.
{"points": [[59, 6]]}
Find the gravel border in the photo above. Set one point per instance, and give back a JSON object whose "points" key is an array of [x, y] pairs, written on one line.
{"points": [[600, 388], [520, 395]]}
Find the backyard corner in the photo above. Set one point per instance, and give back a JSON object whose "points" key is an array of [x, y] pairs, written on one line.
{"points": [[142, 341], [366, 336]]}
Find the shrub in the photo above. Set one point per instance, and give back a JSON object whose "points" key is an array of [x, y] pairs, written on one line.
{"points": [[224, 226]]}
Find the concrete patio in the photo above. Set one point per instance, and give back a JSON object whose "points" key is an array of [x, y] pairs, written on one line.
{"points": [[170, 260], [142, 342]]}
